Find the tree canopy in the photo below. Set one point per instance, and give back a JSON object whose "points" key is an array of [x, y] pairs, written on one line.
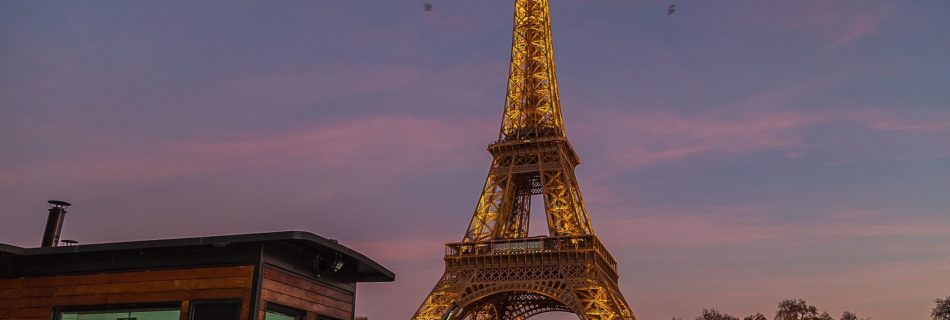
{"points": [[798, 309], [713, 314], [942, 310], [757, 316]]}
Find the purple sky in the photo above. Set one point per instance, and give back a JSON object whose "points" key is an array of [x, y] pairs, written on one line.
{"points": [[734, 154]]}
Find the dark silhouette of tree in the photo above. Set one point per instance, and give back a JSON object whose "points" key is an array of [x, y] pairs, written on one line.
{"points": [[757, 316], [795, 310], [799, 310], [848, 315], [713, 314], [942, 309]]}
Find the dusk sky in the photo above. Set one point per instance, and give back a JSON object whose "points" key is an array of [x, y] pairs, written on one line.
{"points": [[734, 154]]}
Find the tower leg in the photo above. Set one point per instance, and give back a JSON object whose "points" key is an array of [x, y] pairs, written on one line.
{"points": [[439, 302], [601, 303]]}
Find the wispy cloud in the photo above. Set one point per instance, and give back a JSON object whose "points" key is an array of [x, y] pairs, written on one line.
{"points": [[709, 226], [644, 139], [880, 121], [310, 85], [860, 25], [657, 138], [834, 23], [406, 250], [381, 146]]}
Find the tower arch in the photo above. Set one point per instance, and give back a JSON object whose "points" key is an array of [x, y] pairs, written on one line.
{"points": [[515, 304]]}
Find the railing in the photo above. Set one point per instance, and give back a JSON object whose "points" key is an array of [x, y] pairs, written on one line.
{"points": [[530, 245], [526, 140]]}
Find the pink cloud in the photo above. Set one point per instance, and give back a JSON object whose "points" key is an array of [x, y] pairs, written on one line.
{"points": [[686, 227], [883, 123], [406, 250], [383, 147], [762, 122], [758, 122], [862, 24], [43, 80], [648, 139], [835, 23], [320, 85], [680, 231]]}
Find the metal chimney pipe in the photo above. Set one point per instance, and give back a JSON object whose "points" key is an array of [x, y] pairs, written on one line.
{"points": [[54, 222]]}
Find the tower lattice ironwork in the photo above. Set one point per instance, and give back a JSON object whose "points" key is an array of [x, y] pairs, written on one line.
{"points": [[498, 271]]}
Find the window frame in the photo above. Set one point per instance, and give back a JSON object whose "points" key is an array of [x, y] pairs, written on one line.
{"points": [[193, 303], [129, 307], [279, 308]]}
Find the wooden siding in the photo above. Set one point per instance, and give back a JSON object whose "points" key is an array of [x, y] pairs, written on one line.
{"points": [[34, 298], [305, 294]]}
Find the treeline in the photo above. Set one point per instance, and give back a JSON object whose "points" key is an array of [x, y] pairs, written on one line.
{"points": [[801, 310]]}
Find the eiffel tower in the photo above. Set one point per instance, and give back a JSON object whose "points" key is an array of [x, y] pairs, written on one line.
{"points": [[497, 271]]}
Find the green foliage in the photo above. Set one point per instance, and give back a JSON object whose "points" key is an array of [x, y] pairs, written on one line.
{"points": [[942, 310]]}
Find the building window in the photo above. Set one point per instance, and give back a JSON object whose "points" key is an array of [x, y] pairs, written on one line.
{"points": [[279, 312], [215, 310], [327, 318], [127, 314]]}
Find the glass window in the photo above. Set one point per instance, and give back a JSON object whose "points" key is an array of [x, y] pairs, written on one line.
{"points": [[279, 312], [144, 314], [276, 315], [216, 310]]}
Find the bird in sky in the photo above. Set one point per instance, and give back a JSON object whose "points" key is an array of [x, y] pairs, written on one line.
{"points": [[427, 6], [670, 9]]}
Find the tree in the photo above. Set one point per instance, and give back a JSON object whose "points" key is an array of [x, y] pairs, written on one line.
{"points": [[848, 315], [795, 310], [942, 309], [713, 314], [757, 316], [799, 310]]}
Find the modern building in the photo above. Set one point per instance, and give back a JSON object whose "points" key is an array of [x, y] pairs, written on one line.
{"points": [[289, 275]]}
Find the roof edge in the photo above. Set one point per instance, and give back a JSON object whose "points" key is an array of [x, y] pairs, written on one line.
{"points": [[11, 249], [384, 274]]}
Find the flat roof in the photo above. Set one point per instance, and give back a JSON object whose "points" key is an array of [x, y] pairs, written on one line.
{"points": [[368, 269]]}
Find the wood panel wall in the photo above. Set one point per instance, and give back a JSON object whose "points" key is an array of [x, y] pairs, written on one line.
{"points": [[34, 298], [305, 294]]}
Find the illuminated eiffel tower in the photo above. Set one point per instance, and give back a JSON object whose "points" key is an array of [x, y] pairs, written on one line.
{"points": [[497, 271]]}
